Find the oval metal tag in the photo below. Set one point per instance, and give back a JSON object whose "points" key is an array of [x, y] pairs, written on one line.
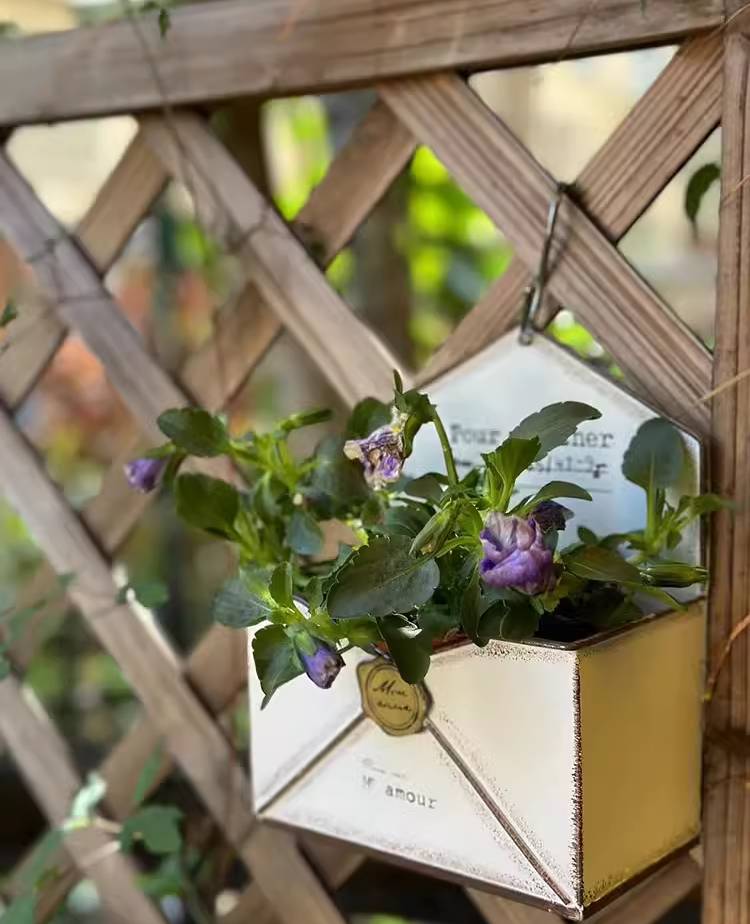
{"points": [[398, 707]]}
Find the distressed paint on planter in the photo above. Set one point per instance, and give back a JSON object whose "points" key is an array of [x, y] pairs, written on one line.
{"points": [[555, 773]]}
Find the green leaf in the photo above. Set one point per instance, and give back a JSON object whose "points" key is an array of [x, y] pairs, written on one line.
{"points": [[382, 578], [366, 417], [403, 641], [595, 563], [556, 489], [698, 185], [656, 455], [150, 593], [167, 879], [244, 600], [362, 632], [195, 431], [336, 484], [87, 799], [207, 503], [158, 826], [419, 409], [281, 586], [512, 458], [303, 535], [5, 666], [276, 659], [471, 609], [436, 621], [708, 503], [305, 419], [554, 424], [38, 864], [21, 911], [521, 621], [406, 519], [428, 487], [148, 776], [587, 536], [10, 313]]}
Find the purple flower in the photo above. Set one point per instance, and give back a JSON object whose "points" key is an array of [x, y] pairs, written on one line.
{"points": [[551, 515], [145, 474], [323, 665], [381, 453], [515, 555]]}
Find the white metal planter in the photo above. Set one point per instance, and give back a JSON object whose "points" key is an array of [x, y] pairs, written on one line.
{"points": [[555, 773]]}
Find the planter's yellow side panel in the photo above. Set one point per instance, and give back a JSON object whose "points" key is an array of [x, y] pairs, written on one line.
{"points": [[641, 703]]}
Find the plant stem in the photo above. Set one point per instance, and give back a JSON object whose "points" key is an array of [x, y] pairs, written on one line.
{"points": [[450, 462]]}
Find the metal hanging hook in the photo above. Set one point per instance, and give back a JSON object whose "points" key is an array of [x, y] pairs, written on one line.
{"points": [[535, 292]]}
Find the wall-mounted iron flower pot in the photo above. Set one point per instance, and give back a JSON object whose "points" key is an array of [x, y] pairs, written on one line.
{"points": [[553, 773]]}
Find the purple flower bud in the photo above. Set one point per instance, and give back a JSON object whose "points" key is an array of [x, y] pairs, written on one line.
{"points": [[515, 555], [145, 474], [551, 515], [323, 665], [381, 453]]}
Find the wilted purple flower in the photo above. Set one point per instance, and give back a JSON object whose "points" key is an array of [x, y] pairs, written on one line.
{"points": [[381, 453], [551, 515], [323, 665], [515, 555], [145, 474]]}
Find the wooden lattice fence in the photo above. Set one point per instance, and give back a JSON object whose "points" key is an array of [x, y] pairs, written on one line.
{"points": [[412, 52]]}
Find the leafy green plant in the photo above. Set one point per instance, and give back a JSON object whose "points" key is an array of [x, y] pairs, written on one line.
{"points": [[431, 559]]}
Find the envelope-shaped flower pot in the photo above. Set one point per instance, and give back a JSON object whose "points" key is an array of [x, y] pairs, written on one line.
{"points": [[554, 773]]}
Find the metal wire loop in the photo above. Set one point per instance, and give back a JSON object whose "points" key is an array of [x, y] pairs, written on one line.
{"points": [[534, 293]]}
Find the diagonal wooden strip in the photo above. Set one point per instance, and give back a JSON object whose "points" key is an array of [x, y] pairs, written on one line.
{"points": [[43, 759], [189, 733], [663, 130], [367, 164], [122, 202], [496, 910], [726, 835], [589, 274], [350, 357], [82, 302], [298, 46]]}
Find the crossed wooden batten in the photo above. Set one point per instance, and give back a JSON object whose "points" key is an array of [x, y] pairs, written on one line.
{"points": [[183, 701]]}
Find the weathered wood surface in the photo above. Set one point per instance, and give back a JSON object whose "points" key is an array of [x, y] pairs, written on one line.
{"points": [[346, 352], [43, 759], [726, 836], [656, 138], [122, 202], [589, 275], [81, 301], [297, 46]]}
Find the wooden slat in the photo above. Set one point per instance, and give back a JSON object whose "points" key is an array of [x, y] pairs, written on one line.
{"points": [[298, 45], [655, 139], [589, 275], [727, 797], [189, 733], [130, 190], [350, 357], [43, 759], [81, 301], [648, 902], [497, 910], [121, 203]]}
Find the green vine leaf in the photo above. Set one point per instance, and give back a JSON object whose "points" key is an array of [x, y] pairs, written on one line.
{"points": [[207, 503], [276, 659], [554, 424], [157, 826], [656, 455], [382, 578], [403, 640], [244, 601], [698, 185], [195, 431]]}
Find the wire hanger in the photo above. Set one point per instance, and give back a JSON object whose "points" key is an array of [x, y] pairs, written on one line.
{"points": [[534, 293]]}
